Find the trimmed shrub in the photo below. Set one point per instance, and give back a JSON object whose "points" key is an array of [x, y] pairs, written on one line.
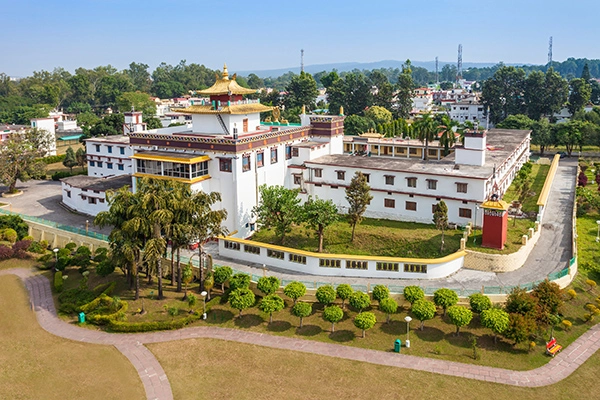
{"points": [[36, 247], [5, 252], [53, 159], [571, 294], [380, 292], [239, 281], [10, 235], [58, 281], [567, 324], [105, 268], [71, 246], [30, 238], [479, 302], [413, 293], [14, 222], [122, 326]]}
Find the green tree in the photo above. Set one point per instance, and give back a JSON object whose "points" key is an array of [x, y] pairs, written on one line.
{"points": [[239, 281], [568, 134], [426, 132], [344, 291], [80, 157], [137, 101], [187, 274], [585, 73], [440, 219], [541, 134], [139, 76], [153, 123], [302, 310], [445, 298], [413, 293], [388, 306], [271, 303], [447, 129], [503, 93], [356, 125], [326, 295], [380, 292], [302, 90], [519, 327], [268, 284], [365, 321], [279, 209], [318, 214], [520, 302], [549, 299], [460, 316], [479, 302], [222, 274], [255, 82], [19, 157], [70, 161], [378, 115], [333, 314], [556, 93], [294, 290], [423, 310], [496, 320], [359, 301], [404, 91], [358, 195], [517, 121], [241, 299], [579, 96]]}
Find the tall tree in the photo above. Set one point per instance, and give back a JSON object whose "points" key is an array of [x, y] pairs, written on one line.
{"points": [[440, 219], [426, 132], [70, 161], [356, 125], [585, 73], [271, 303], [556, 93], [137, 101], [447, 129], [302, 91], [503, 93], [404, 91], [358, 195], [541, 134], [19, 156], [139, 76], [581, 91], [318, 215], [278, 208], [378, 115], [80, 157], [255, 82]]}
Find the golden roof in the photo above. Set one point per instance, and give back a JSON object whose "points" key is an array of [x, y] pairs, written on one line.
{"points": [[496, 205], [224, 85], [248, 108]]}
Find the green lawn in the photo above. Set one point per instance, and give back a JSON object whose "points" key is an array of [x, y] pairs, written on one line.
{"points": [[38, 365], [376, 237], [516, 229], [539, 173]]}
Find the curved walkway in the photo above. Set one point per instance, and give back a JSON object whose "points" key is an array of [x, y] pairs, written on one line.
{"points": [[157, 385]]}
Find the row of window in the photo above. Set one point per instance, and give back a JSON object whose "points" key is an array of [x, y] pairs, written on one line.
{"points": [[109, 165], [109, 149], [172, 169], [411, 182], [226, 164], [412, 206]]}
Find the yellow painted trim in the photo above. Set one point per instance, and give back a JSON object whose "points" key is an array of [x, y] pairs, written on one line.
{"points": [[170, 178], [548, 183], [449, 257], [195, 160], [496, 205]]}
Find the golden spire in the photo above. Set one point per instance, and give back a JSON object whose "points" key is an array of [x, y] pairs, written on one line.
{"points": [[225, 73], [342, 111], [303, 110]]}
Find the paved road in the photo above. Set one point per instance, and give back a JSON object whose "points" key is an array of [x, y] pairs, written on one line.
{"points": [[157, 385], [551, 254]]}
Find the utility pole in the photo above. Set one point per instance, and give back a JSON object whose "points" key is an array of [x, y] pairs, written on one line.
{"points": [[550, 52], [437, 76], [459, 65], [301, 60]]}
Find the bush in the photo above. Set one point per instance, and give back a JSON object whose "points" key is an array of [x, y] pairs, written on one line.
{"points": [[30, 238], [63, 253], [268, 284], [104, 309], [413, 293], [121, 326], [21, 245], [571, 294], [173, 311], [58, 281], [445, 298], [380, 292], [36, 247], [5, 252], [591, 283], [71, 300], [479, 302], [567, 324], [9, 235], [326, 294], [239, 281], [105, 268], [44, 244], [53, 159], [57, 176], [62, 263], [16, 223], [71, 246]]}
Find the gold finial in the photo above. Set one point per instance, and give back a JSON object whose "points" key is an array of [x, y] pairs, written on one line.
{"points": [[303, 110], [225, 73], [342, 111]]}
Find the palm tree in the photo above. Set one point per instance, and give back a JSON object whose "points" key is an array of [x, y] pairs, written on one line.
{"points": [[447, 129], [426, 131], [180, 230]]}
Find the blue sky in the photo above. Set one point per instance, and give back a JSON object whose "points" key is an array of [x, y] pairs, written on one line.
{"points": [[268, 34]]}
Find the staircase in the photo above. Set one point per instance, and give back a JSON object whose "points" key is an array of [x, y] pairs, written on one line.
{"points": [[222, 124]]}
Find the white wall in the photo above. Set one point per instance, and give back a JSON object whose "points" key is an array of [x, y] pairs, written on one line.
{"points": [[101, 155], [72, 197]]}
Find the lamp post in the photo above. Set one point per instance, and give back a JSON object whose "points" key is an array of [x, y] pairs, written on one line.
{"points": [[87, 226], [475, 223], [55, 258], [203, 294], [598, 234], [407, 319]]}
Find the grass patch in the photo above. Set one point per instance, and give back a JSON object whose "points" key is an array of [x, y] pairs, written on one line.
{"points": [[539, 173], [516, 229], [267, 373], [38, 365], [376, 237]]}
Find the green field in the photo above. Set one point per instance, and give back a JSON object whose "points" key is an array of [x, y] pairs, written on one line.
{"points": [[539, 173]]}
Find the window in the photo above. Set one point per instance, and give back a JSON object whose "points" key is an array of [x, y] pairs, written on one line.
{"points": [[251, 249], [432, 152], [412, 150], [367, 176], [275, 254], [109, 165], [109, 149], [121, 150], [411, 205], [97, 148], [288, 152], [420, 268], [389, 203], [297, 179], [68, 193], [245, 125], [232, 245], [411, 182], [246, 163], [334, 187], [461, 187], [431, 184], [92, 163], [318, 173], [120, 167], [225, 164], [386, 266], [318, 184], [294, 152], [274, 155], [91, 200], [101, 200], [464, 212], [99, 164], [433, 206], [357, 264], [297, 259], [341, 175], [260, 159], [389, 179], [327, 263]]}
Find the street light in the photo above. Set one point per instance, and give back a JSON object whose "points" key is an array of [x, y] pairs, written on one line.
{"points": [[203, 294], [598, 234], [407, 319], [475, 224], [55, 258]]}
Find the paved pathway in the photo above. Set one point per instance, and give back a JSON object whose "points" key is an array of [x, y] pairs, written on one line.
{"points": [[157, 385]]}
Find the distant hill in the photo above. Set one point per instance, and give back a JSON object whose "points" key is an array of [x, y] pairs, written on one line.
{"points": [[349, 66]]}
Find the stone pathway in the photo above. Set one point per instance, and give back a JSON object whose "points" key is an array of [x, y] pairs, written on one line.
{"points": [[157, 385]]}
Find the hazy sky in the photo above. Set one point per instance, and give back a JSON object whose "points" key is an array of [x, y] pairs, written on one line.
{"points": [[268, 34]]}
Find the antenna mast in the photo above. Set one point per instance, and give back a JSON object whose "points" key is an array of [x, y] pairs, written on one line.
{"points": [[459, 64], [301, 60], [437, 76], [550, 52]]}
